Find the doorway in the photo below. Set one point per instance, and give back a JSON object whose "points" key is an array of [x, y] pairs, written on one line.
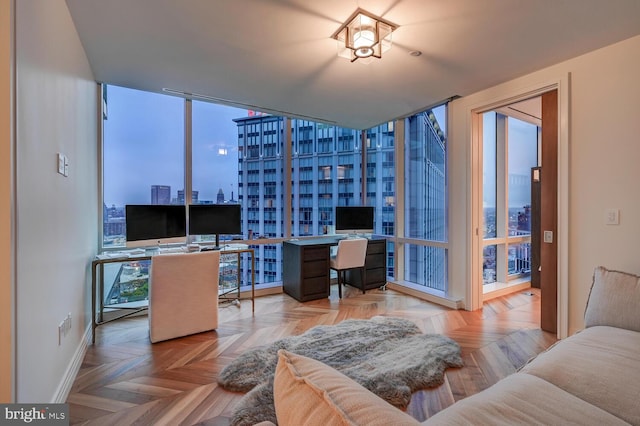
{"points": [[518, 146], [511, 147]]}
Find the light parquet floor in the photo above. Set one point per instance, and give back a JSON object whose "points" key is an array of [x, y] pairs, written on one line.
{"points": [[124, 379]]}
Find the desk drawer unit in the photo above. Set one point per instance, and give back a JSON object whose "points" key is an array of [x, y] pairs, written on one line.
{"points": [[305, 274], [375, 266]]}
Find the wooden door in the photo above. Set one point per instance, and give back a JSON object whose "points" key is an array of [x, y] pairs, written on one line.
{"points": [[535, 227], [549, 214]]}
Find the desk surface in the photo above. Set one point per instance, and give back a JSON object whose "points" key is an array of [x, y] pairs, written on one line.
{"points": [[331, 240], [313, 241], [137, 254]]}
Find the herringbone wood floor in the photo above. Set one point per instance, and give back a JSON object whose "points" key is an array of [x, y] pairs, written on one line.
{"points": [[124, 379]]}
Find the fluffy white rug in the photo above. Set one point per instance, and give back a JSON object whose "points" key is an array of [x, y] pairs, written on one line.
{"points": [[389, 356]]}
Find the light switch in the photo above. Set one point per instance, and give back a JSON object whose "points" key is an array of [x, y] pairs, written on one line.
{"points": [[612, 217], [66, 166], [61, 163], [548, 237]]}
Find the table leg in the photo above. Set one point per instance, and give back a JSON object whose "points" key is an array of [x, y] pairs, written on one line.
{"points": [[93, 303], [101, 293], [253, 281]]}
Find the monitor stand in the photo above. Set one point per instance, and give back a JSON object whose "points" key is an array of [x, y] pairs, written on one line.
{"points": [[216, 247]]}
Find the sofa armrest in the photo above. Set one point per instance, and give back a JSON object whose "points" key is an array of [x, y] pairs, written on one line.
{"points": [[614, 300]]}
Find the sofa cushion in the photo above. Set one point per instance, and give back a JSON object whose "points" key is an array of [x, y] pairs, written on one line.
{"points": [[614, 300], [522, 399], [307, 389], [599, 365]]}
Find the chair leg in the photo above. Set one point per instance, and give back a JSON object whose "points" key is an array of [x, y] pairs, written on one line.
{"points": [[362, 278], [339, 286]]}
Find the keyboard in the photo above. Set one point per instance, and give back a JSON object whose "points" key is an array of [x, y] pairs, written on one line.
{"points": [[172, 250]]}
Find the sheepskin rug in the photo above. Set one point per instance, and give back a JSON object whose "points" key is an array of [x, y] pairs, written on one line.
{"points": [[389, 356]]}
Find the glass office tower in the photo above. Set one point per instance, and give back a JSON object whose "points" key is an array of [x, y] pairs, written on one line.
{"points": [[327, 166]]}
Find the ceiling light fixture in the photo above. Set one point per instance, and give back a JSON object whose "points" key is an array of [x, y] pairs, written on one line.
{"points": [[364, 36]]}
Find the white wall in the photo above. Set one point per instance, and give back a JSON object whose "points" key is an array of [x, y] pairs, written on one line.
{"points": [[57, 216], [604, 168]]}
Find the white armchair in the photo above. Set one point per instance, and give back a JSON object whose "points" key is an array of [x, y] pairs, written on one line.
{"points": [[183, 294]]}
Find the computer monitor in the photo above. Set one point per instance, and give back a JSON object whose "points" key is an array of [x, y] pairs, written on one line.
{"points": [[215, 219], [154, 224], [354, 219]]}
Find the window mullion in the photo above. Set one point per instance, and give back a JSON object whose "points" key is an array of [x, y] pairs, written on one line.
{"points": [[502, 202]]}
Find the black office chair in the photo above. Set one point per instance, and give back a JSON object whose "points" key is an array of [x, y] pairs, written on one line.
{"points": [[351, 254]]}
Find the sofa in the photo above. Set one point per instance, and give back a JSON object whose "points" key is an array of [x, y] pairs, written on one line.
{"points": [[590, 378]]}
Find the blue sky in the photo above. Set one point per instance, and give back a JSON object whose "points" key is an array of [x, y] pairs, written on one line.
{"points": [[522, 155], [143, 146]]}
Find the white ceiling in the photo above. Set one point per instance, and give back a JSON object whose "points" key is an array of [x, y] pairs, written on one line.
{"points": [[277, 55]]}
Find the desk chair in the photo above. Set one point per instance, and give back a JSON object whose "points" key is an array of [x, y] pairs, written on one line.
{"points": [[351, 254], [183, 294]]}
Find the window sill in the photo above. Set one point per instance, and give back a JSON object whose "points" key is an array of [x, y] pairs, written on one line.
{"points": [[493, 290]]}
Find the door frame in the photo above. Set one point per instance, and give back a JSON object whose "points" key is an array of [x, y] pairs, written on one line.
{"points": [[474, 291]]}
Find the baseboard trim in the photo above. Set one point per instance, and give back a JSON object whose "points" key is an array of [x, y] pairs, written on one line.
{"points": [[442, 301], [265, 291], [62, 392]]}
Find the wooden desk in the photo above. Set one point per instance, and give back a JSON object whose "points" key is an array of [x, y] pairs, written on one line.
{"points": [[97, 285], [305, 267]]}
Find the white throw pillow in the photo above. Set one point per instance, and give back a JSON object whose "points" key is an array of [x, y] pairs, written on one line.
{"points": [[614, 300]]}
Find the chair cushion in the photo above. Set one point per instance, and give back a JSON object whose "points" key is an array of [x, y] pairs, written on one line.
{"points": [[308, 389], [614, 300]]}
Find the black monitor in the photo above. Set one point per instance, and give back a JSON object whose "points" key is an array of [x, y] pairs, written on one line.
{"points": [[154, 224], [215, 219], [354, 219]]}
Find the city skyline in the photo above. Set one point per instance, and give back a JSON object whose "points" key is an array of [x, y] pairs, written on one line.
{"points": [[137, 117], [139, 120]]}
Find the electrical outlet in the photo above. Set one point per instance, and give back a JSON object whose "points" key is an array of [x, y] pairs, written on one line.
{"points": [[64, 328]]}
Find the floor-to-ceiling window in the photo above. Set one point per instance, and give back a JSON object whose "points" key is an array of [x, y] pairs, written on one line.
{"points": [[510, 150], [143, 163], [143, 155], [425, 202], [380, 183], [237, 156]]}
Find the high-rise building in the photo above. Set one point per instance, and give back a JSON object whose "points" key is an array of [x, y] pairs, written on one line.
{"points": [[327, 163], [425, 211], [160, 194], [220, 197]]}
